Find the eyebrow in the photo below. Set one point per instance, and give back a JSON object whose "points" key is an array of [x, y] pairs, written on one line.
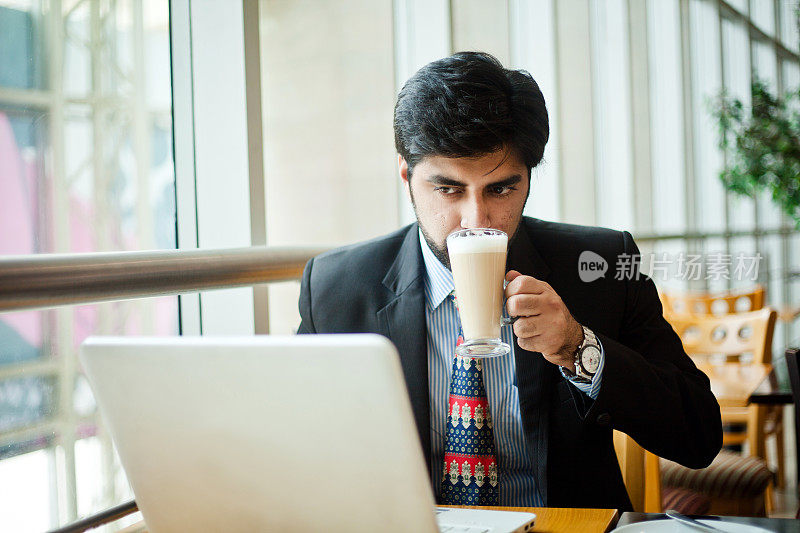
{"points": [[438, 179]]}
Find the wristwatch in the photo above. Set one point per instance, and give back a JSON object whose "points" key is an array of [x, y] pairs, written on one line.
{"points": [[587, 357]]}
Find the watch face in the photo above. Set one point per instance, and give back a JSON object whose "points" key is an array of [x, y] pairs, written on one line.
{"points": [[590, 359]]}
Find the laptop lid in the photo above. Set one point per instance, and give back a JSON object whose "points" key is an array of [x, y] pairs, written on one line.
{"points": [[264, 433]]}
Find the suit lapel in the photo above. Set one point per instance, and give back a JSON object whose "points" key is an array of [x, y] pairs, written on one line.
{"points": [[532, 369], [404, 321]]}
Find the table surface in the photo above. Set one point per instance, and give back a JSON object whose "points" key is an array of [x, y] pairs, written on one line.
{"points": [[555, 519], [776, 387], [772, 391], [548, 520], [558, 519], [777, 525]]}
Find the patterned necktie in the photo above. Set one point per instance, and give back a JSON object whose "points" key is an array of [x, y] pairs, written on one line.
{"points": [[470, 468]]}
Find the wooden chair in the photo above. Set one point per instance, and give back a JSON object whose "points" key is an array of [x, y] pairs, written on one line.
{"points": [[640, 472], [731, 485], [734, 485], [747, 338], [704, 304]]}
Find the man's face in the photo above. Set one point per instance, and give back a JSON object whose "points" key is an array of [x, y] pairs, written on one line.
{"points": [[450, 194]]}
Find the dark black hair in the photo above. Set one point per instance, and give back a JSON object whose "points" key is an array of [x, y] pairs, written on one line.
{"points": [[469, 105]]}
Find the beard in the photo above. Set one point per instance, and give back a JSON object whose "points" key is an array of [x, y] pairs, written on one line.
{"points": [[440, 251]]}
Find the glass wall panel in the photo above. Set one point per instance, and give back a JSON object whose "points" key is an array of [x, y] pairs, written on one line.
{"points": [[479, 25], [707, 79], [715, 266], [612, 115], [85, 165], [330, 164], [670, 265], [762, 13], [788, 14], [765, 68], [753, 264], [740, 5], [666, 110], [772, 263], [21, 46], [772, 250], [533, 48], [25, 480], [794, 286], [736, 69], [791, 75], [77, 32]]}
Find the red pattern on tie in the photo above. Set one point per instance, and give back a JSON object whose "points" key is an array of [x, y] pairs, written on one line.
{"points": [[470, 472]]}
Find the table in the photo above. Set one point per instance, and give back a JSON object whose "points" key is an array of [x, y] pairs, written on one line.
{"points": [[776, 389], [548, 520], [778, 525], [772, 390], [557, 519]]}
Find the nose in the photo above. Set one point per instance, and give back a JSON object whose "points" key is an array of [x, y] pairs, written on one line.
{"points": [[475, 214]]}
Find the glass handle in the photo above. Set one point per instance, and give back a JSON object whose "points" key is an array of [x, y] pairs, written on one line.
{"points": [[507, 321]]}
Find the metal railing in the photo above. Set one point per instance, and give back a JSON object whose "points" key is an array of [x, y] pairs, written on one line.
{"points": [[46, 281], [52, 280], [103, 517], [701, 235]]}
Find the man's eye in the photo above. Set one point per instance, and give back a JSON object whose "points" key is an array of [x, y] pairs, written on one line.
{"points": [[502, 190], [446, 190]]}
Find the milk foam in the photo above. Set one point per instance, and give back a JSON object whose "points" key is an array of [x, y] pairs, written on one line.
{"points": [[477, 244]]}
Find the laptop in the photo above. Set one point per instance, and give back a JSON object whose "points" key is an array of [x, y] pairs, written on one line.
{"points": [[271, 433]]}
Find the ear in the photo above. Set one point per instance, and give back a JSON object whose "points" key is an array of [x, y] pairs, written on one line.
{"points": [[403, 168]]}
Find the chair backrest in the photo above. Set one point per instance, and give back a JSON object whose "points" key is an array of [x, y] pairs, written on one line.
{"points": [[717, 304], [792, 356], [640, 472], [729, 335]]}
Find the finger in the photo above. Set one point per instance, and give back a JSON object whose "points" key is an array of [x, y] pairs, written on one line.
{"points": [[523, 305], [530, 344], [511, 275], [526, 284], [526, 328]]}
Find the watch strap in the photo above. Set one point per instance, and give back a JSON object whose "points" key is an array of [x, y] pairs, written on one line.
{"points": [[589, 339]]}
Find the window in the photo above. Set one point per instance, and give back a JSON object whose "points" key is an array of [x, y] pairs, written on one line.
{"points": [[85, 165], [667, 133], [330, 167], [612, 115], [707, 78]]}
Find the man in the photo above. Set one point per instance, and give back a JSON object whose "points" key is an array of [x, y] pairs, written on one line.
{"points": [[468, 132]]}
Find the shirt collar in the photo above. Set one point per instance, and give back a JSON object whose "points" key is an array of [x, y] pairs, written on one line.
{"points": [[438, 278]]}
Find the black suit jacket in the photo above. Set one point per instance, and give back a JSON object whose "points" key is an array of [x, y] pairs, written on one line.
{"points": [[651, 390]]}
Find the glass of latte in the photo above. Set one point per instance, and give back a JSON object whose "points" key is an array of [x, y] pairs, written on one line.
{"points": [[478, 261]]}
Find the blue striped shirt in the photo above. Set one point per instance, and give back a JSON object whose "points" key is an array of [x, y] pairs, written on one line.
{"points": [[518, 484]]}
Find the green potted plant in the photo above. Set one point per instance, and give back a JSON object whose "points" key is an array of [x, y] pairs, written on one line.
{"points": [[762, 146]]}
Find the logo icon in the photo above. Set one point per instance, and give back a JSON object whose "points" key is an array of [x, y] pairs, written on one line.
{"points": [[591, 266]]}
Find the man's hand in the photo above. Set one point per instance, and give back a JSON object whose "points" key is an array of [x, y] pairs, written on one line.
{"points": [[545, 324]]}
